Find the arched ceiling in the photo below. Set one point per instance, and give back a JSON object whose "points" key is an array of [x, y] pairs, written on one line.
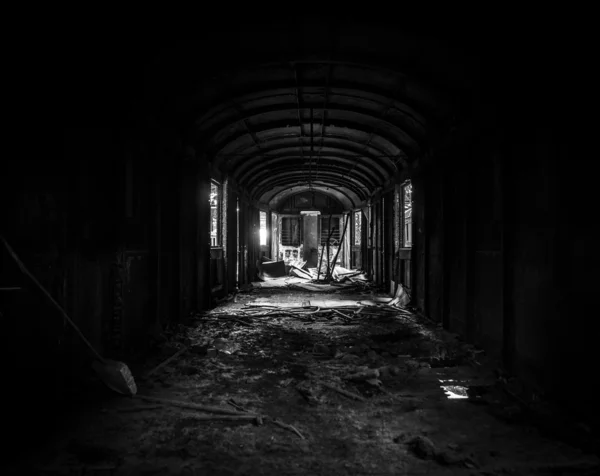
{"points": [[276, 196], [285, 111]]}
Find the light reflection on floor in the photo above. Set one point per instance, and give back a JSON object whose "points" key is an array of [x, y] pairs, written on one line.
{"points": [[454, 391]]}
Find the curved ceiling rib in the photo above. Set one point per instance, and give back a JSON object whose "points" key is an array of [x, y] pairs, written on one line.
{"points": [[344, 98], [386, 111], [332, 175], [333, 161], [336, 127], [227, 138], [298, 178], [279, 194], [280, 146], [357, 79]]}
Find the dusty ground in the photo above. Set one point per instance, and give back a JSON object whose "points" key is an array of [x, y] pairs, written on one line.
{"points": [[279, 367]]}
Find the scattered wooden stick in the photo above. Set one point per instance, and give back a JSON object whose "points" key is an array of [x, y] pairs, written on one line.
{"points": [[191, 406], [236, 406], [346, 393], [287, 427], [340, 245], [165, 362], [221, 413], [342, 314]]}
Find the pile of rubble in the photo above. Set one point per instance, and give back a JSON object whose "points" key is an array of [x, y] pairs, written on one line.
{"points": [[274, 376], [296, 275]]}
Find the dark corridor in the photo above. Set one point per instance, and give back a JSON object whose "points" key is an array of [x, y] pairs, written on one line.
{"points": [[439, 162]]}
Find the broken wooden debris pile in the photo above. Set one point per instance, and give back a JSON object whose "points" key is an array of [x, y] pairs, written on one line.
{"points": [[401, 335], [271, 270], [295, 275], [300, 361], [318, 365], [338, 311]]}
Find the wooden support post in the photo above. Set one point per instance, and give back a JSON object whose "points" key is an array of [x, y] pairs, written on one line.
{"points": [[328, 274], [341, 240]]}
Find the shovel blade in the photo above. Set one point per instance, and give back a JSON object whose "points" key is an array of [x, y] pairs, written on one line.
{"points": [[116, 376]]}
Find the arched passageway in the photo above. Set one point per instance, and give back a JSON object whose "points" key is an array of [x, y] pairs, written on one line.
{"points": [[447, 158]]}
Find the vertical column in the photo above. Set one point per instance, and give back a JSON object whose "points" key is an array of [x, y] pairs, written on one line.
{"points": [[232, 245], [187, 232], [419, 241], [202, 244]]}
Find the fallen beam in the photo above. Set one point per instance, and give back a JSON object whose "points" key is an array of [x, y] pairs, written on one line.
{"points": [[287, 427], [191, 406]]}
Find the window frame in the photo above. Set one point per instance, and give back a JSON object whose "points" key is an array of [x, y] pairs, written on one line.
{"points": [[407, 227], [357, 238], [219, 210], [260, 228]]}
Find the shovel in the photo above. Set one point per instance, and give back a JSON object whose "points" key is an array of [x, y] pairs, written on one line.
{"points": [[115, 375]]}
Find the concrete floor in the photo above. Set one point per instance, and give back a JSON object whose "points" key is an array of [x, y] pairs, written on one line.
{"points": [[278, 368]]}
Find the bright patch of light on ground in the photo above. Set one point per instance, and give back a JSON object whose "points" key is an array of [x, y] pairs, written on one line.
{"points": [[454, 391]]}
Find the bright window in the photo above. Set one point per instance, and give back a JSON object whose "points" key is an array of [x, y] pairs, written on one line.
{"points": [[407, 215], [263, 228], [357, 227], [215, 214]]}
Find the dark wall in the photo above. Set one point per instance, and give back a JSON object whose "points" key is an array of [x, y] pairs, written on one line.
{"points": [[516, 231], [456, 198], [434, 245], [550, 271], [419, 250], [531, 238]]}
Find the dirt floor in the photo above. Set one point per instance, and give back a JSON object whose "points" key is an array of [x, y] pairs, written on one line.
{"points": [[310, 393]]}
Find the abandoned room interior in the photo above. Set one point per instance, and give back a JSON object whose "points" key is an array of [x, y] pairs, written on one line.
{"points": [[314, 247]]}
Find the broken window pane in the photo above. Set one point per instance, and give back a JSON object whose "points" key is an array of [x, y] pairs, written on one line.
{"points": [[397, 218], [407, 215], [215, 214], [357, 227]]}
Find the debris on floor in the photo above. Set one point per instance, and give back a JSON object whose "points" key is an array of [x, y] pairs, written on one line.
{"points": [[281, 381], [295, 275], [271, 270]]}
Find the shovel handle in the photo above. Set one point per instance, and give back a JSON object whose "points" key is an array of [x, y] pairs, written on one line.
{"points": [[49, 296]]}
